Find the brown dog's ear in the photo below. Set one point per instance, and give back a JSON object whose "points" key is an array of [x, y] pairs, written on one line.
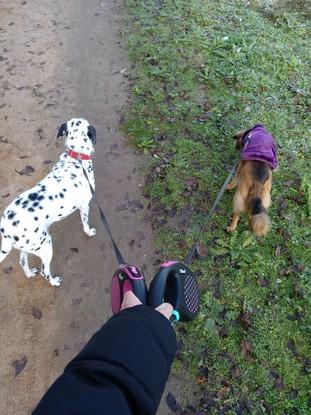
{"points": [[239, 134], [239, 139]]}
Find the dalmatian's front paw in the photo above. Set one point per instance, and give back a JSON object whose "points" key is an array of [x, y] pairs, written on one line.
{"points": [[91, 232], [32, 273], [55, 281]]}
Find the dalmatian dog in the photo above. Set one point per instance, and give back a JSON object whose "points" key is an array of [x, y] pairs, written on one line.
{"points": [[24, 225]]}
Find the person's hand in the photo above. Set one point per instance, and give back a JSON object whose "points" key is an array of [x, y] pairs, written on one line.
{"points": [[130, 300]]}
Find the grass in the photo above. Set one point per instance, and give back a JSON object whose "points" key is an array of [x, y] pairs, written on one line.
{"points": [[203, 70]]}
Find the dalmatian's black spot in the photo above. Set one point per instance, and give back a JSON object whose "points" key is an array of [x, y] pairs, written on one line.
{"points": [[15, 223], [25, 204], [59, 215], [36, 218], [61, 195], [17, 202], [43, 240], [73, 176], [72, 124], [40, 207], [72, 147], [47, 217], [36, 230], [51, 197], [2, 230], [38, 248], [64, 190], [25, 229], [41, 197], [75, 185], [31, 209], [78, 123], [62, 207], [16, 238], [11, 215], [27, 242], [77, 167], [35, 204], [4, 252], [43, 188], [33, 196]]}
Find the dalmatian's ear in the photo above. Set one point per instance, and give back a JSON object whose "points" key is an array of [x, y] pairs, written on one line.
{"points": [[91, 132], [62, 130]]}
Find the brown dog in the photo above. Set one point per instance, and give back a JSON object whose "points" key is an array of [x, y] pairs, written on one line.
{"points": [[253, 178]]}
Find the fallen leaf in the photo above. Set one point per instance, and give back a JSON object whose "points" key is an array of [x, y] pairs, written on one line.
{"points": [[203, 374], [243, 320], [182, 244], [223, 332], [246, 350], [295, 269], [172, 403], [19, 365], [235, 371], [278, 384], [36, 313], [221, 393], [263, 282], [27, 171], [191, 184], [202, 250]]}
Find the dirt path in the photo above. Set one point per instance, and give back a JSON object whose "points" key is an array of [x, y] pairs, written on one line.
{"points": [[58, 60]]}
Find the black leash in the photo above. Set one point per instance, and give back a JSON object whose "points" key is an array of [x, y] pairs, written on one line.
{"points": [[194, 247], [104, 220], [192, 250]]}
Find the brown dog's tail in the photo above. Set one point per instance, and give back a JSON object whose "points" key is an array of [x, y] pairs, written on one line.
{"points": [[260, 221], [261, 175]]}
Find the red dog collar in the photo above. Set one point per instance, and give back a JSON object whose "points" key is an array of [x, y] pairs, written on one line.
{"points": [[78, 156]]}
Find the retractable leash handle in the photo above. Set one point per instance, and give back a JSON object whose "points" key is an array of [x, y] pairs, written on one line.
{"points": [[175, 283], [127, 278]]}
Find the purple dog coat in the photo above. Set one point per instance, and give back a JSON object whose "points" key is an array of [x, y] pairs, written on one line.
{"points": [[259, 145]]}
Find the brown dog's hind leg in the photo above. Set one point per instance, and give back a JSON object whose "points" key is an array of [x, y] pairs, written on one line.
{"points": [[234, 181], [238, 208]]}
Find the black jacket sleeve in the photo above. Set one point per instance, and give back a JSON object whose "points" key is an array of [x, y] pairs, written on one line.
{"points": [[121, 371]]}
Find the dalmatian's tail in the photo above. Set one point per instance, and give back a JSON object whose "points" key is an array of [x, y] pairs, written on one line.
{"points": [[6, 246]]}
